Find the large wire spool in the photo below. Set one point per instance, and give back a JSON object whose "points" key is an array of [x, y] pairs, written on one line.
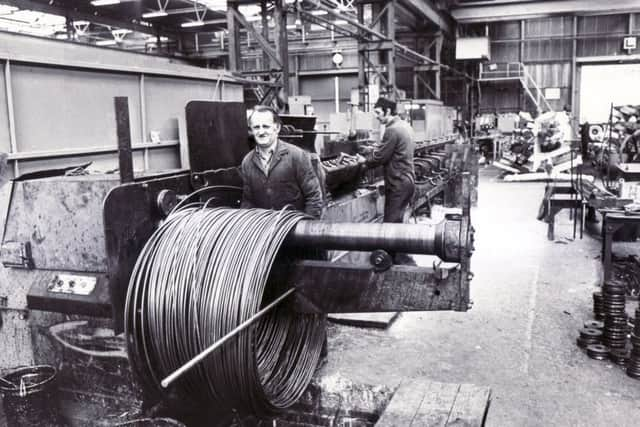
{"points": [[201, 274]]}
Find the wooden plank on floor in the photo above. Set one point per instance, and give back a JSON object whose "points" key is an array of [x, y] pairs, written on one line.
{"points": [[437, 402], [364, 320], [470, 407], [426, 403], [403, 406]]}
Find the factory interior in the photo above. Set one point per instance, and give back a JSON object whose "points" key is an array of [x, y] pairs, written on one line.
{"points": [[300, 213]]}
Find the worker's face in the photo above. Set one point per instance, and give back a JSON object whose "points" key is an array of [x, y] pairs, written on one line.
{"points": [[381, 115], [263, 128]]}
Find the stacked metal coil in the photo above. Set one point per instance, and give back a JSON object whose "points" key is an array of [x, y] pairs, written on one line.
{"points": [[615, 318], [201, 274], [598, 306], [589, 336], [633, 364]]}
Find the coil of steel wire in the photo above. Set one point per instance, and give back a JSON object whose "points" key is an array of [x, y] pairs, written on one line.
{"points": [[201, 274]]}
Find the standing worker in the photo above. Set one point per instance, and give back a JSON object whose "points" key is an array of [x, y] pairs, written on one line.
{"points": [[395, 153], [277, 174]]}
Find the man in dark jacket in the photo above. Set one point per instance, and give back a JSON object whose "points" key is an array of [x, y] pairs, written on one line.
{"points": [[395, 153], [277, 174]]}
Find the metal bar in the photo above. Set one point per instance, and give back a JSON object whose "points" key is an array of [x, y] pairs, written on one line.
{"points": [[264, 44], [282, 43], [325, 287], [234, 39], [125, 159], [143, 121], [213, 347], [440, 239], [265, 32], [10, 112]]}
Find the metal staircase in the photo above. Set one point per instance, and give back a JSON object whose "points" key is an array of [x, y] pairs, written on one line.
{"points": [[516, 71]]}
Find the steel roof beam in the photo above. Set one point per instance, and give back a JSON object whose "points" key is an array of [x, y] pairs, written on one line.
{"points": [[483, 11]]}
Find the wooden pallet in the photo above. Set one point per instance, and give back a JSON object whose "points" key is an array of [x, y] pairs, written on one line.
{"points": [[426, 403]]}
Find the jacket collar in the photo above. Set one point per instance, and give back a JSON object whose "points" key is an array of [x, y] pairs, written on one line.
{"points": [[281, 151]]}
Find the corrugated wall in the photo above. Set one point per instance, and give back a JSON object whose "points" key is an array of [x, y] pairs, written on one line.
{"points": [[546, 47]]}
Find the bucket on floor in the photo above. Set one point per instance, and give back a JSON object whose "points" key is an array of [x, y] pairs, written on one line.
{"points": [[29, 397]]}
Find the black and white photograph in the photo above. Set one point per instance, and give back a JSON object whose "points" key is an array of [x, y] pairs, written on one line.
{"points": [[319, 213]]}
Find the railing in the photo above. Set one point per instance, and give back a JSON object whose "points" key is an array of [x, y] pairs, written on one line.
{"points": [[516, 71]]}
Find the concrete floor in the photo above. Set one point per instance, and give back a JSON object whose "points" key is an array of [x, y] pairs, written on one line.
{"points": [[531, 296]]}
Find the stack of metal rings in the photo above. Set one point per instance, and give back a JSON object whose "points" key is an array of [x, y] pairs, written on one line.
{"points": [[633, 364], [589, 336], [598, 351], [598, 306], [615, 320]]}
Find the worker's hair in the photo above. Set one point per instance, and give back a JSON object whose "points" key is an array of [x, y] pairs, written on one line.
{"points": [[386, 104], [264, 109]]}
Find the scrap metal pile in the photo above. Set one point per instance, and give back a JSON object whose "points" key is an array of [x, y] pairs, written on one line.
{"points": [[607, 140]]}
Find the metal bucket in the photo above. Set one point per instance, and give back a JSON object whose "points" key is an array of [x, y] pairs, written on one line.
{"points": [[29, 397]]}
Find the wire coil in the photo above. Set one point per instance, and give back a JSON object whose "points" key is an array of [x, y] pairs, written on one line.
{"points": [[201, 274]]}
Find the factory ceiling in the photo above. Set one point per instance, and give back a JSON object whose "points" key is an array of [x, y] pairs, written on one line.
{"points": [[144, 25]]}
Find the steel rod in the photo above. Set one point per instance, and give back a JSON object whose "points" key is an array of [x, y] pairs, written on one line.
{"points": [[442, 239], [200, 357]]}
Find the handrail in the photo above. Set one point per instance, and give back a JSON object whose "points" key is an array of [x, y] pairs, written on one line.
{"points": [[517, 71]]}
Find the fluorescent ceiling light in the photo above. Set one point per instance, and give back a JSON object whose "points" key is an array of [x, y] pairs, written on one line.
{"points": [[105, 42], [292, 27], [319, 12], [192, 24], [155, 14], [201, 23], [340, 22], [104, 2]]}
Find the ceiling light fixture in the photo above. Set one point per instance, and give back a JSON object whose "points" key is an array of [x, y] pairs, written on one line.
{"points": [[191, 24], [162, 10], [105, 42], [104, 2], [319, 12], [155, 14]]}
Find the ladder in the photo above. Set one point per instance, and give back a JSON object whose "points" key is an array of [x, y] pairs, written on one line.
{"points": [[516, 71]]}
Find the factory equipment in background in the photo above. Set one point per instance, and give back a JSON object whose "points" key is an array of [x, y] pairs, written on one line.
{"points": [[71, 242]]}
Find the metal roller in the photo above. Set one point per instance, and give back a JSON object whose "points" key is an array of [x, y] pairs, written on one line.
{"points": [[443, 239]]}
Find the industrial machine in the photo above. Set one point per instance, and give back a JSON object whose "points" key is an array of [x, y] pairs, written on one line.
{"points": [[71, 242]]}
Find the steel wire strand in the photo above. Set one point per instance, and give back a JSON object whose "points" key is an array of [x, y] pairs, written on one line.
{"points": [[202, 274]]}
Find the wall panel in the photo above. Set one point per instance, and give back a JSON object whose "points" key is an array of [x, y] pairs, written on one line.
{"points": [[162, 116], [549, 27], [76, 106], [508, 30], [505, 52]]}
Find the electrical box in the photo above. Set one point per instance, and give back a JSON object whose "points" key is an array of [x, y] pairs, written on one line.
{"points": [[473, 48]]}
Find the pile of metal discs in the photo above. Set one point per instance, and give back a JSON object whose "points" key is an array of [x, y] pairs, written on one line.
{"points": [[633, 364], [589, 336], [609, 339], [597, 351], [615, 319], [598, 306]]}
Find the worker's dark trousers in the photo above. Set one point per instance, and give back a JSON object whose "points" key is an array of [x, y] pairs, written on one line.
{"points": [[396, 201]]}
